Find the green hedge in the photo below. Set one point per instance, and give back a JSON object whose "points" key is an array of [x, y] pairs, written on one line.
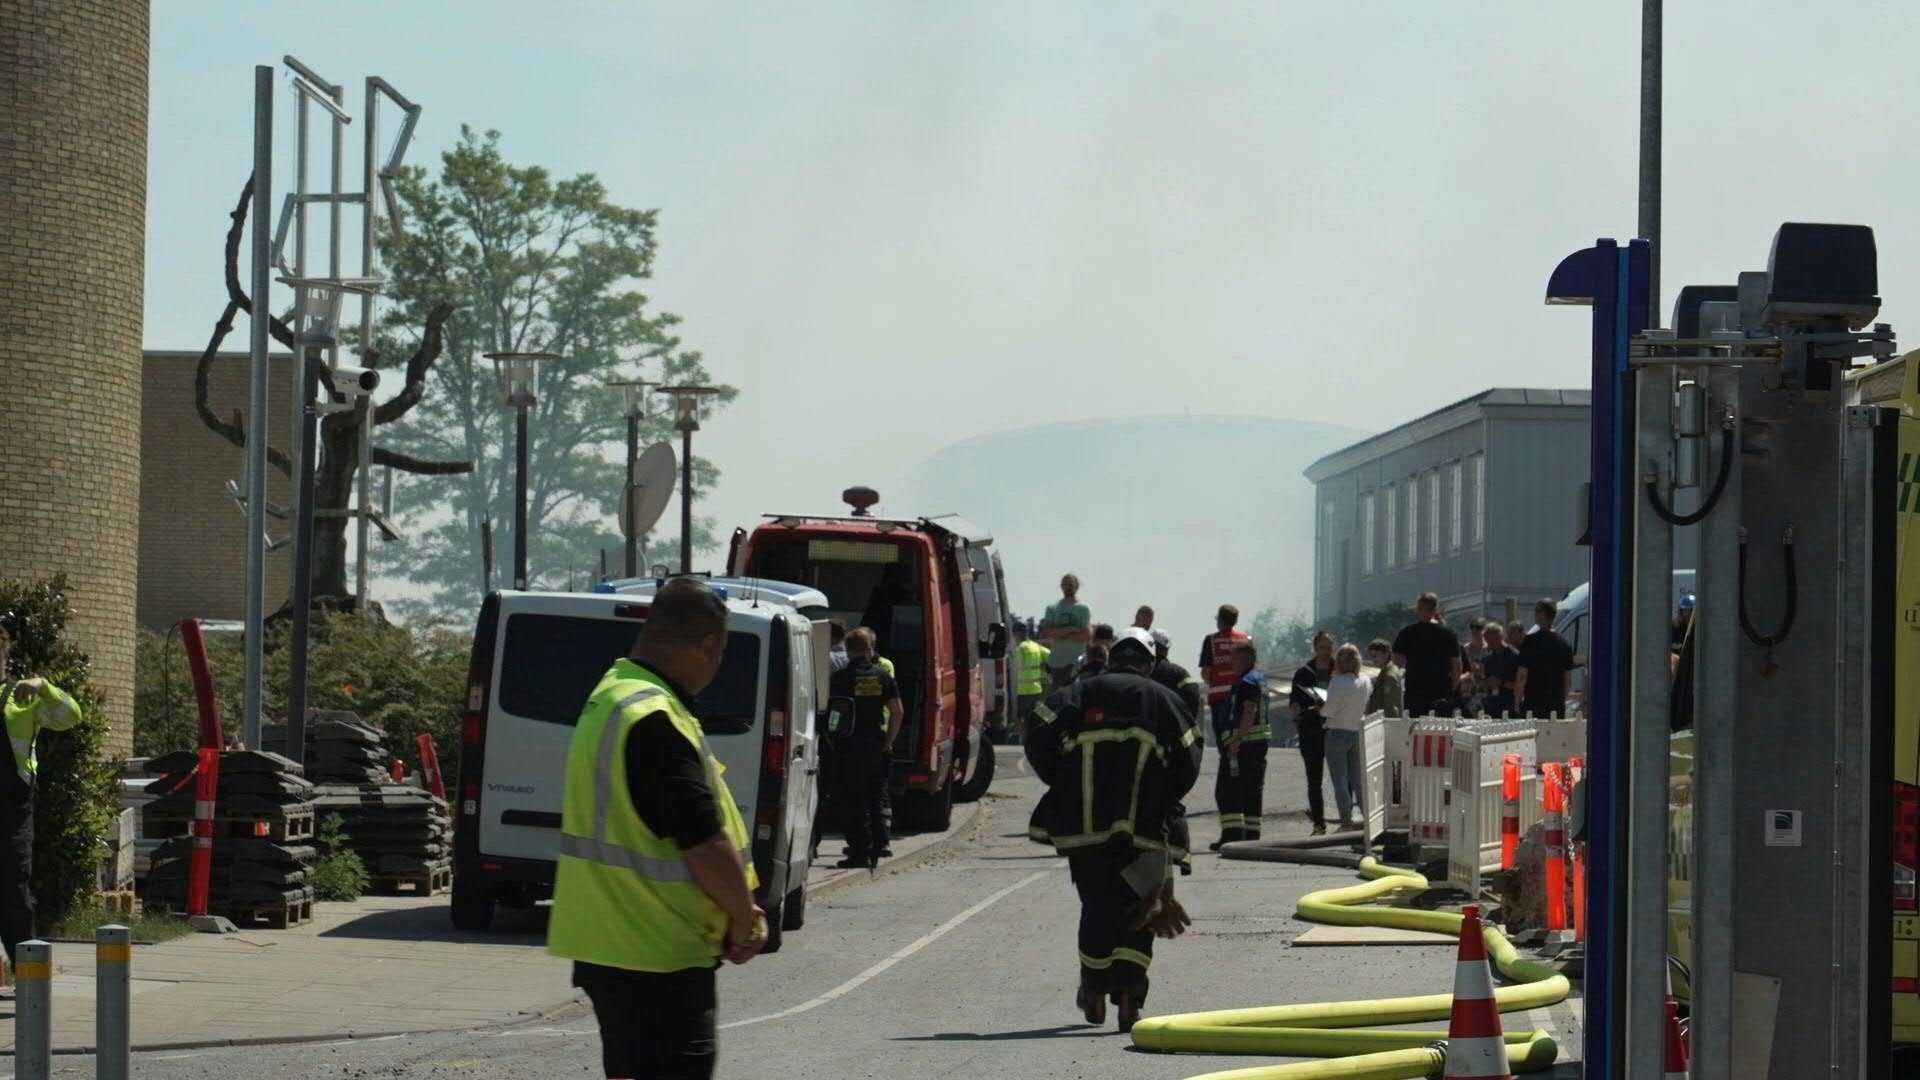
{"points": [[406, 681], [78, 790]]}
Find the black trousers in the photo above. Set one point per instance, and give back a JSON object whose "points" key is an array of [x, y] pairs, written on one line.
{"points": [[864, 811], [1313, 754], [16, 869], [1113, 959], [1240, 797], [652, 1024]]}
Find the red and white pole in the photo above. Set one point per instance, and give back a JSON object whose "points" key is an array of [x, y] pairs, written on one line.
{"points": [[206, 787], [1509, 809], [1553, 826], [430, 766], [196, 650], [1576, 771]]}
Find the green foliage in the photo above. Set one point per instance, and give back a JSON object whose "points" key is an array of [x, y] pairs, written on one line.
{"points": [[149, 927], [78, 789], [536, 265], [338, 874], [405, 680], [1285, 641]]}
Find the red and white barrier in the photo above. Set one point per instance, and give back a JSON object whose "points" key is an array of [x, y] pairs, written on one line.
{"points": [[1477, 797], [1676, 1056], [206, 788], [1509, 809], [1429, 777], [1555, 837], [1476, 1048]]}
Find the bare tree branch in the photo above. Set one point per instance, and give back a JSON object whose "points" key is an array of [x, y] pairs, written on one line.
{"points": [[418, 365], [419, 466]]}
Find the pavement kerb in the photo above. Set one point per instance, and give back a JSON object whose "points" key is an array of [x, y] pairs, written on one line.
{"points": [[964, 827], [969, 814]]}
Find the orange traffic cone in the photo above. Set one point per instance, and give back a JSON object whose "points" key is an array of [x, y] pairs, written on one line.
{"points": [[1676, 1067], [1476, 1050]]}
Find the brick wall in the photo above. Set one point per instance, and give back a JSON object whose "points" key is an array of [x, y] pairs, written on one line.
{"points": [[73, 155], [193, 535]]}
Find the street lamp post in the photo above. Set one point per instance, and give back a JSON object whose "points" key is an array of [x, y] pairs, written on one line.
{"points": [[635, 392], [521, 372], [686, 421]]}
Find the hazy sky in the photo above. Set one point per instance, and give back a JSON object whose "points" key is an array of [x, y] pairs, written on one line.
{"points": [[894, 225]]}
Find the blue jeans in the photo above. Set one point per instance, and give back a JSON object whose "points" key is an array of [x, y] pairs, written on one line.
{"points": [[1346, 769]]}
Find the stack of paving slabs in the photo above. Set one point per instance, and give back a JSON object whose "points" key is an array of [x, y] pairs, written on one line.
{"points": [[401, 833], [344, 749], [263, 827]]}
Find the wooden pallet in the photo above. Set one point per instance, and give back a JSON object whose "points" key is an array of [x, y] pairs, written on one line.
{"points": [[278, 916], [432, 883], [289, 829]]}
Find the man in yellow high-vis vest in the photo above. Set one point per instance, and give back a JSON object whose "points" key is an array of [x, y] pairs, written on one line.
{"points": [[652, 888], [29, 704], [1032, 681]]}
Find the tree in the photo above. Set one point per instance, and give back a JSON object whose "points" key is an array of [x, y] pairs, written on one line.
{"points": [[1285, 641], [533, 264], [339, 436]]}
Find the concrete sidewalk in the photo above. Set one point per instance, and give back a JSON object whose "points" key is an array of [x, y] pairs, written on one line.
{"points": [[376, 966]]}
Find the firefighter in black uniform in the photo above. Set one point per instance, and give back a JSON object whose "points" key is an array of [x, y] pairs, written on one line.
{"points": [[1135, 742], [862, 755], [1192, 693]]}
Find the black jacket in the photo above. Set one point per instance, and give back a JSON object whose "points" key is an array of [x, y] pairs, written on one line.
{"points": [[1116, 718]]}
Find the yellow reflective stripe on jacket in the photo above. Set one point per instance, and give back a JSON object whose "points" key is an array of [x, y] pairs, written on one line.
{"points": [[1044, 714]]}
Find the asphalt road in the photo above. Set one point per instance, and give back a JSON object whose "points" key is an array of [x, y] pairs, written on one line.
{"points": [[962, 966]]}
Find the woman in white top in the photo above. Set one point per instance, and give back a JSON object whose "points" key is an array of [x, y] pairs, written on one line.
{"points": [[1346, 706]]}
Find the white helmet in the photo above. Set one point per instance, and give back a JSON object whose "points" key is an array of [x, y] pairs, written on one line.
{"points": [[1133, 635]]}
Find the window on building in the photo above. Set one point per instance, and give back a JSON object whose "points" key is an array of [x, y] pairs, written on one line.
{"points": [[1456, 502], [1433, 513], [1479, 499], [1366, 534], [1413, 520], [1390, 542], [1326, 546]]}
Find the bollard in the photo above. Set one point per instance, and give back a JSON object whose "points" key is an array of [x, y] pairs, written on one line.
{"points": [[33, 1022], [1555, 835], [1576, 771], [1509, 809], [200, 868], [113, 1002]]}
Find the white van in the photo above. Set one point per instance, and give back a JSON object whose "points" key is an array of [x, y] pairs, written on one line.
{"points": [[537, 657], [1570, 621]]}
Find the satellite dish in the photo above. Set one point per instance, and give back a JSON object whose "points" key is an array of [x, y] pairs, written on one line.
{"points": [[653, 477]]}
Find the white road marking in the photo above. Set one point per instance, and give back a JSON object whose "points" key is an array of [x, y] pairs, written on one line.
{"points": [[932, 936]]}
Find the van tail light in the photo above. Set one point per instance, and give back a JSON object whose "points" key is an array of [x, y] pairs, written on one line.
{"points": [[473, 730], [1906, 845], [777, 742]]}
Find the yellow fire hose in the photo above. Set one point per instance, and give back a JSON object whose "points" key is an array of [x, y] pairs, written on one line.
{"points": [[1334, 1029]]}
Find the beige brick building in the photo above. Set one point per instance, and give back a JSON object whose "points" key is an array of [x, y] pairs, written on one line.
{"points": [[73, 159], [193, 534]]}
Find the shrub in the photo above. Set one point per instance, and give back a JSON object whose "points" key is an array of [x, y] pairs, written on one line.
{"points": [[78, 790], [403, 680], [338, 874]]}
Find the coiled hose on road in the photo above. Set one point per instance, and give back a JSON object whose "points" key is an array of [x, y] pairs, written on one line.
{"points": [[1334, 1029]]}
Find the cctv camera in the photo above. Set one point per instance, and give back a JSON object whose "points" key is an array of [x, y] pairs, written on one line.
{"points": [[353, 382]]}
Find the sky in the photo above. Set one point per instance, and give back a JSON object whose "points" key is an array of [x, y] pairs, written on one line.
{"points": [[896, 225]]}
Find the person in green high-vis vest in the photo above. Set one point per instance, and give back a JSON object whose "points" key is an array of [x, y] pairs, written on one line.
{"points": [[30, 705], [652, 888]]}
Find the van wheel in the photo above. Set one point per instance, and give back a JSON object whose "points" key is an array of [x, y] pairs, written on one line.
{"points": [[472, 906], [930, 812], [793, 912], [974, 789]]}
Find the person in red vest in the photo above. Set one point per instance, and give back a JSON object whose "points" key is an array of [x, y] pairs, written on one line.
{"points": [[1216, 660]]}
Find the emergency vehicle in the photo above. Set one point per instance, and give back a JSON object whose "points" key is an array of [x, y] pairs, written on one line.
{"points": [[929, 590]]}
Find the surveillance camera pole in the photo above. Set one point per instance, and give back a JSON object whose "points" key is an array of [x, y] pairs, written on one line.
{"points": [[686, 420], [635, 393], [521, 371]]}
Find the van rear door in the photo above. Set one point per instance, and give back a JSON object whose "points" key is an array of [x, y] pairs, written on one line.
{"points": [[551, 651]]}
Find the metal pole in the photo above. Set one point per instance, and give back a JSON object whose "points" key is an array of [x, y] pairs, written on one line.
{"points": [[364, 519], [301, 600], [33, 1025], [257, 403], [1716, 711], [369, 264], [686, 501], [1650, 639], [113, 1002], [520, 498], [633, 468], [1650, 70], [486, 552]]}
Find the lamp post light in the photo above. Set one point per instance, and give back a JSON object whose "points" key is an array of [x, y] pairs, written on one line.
{"points": [[686, 421], [520, 371], [635, 394]]}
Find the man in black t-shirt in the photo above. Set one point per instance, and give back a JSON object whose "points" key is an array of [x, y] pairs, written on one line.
{"points": [[862, 755], [1546, 667], [1430, 655]]}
